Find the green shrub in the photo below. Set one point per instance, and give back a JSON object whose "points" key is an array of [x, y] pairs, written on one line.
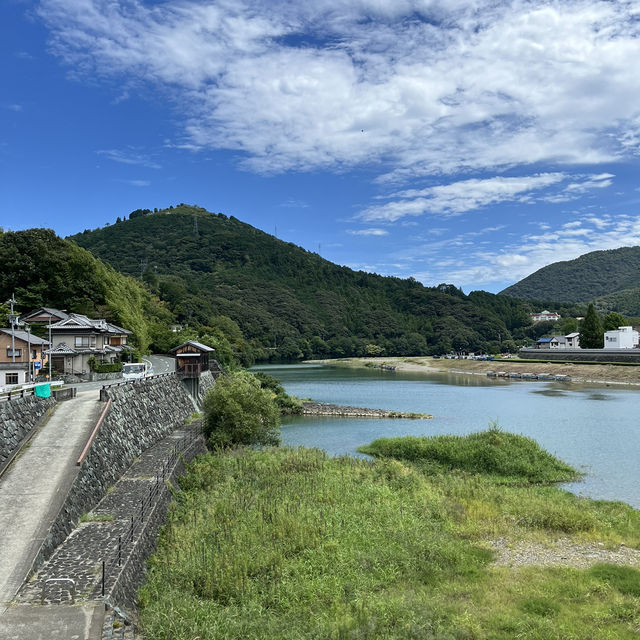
{"points": [[238, 411]]}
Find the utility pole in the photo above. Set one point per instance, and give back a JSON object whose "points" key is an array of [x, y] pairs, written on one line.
{"points": [[12, 320]]}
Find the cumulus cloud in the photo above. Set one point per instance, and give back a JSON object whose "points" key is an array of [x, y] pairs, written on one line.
{"points": [[417, 87]]}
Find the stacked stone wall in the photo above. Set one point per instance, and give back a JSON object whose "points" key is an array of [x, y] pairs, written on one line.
{"points": [[140, 414], [207, 380], [582, 355], [18, 419]]}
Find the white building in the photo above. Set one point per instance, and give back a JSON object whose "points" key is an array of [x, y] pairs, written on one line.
{"points": [[544, 316], [621, 338]]}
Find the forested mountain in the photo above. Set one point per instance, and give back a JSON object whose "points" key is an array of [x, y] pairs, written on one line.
{"points": [[218, 273], [42, 269], [612, 276]]}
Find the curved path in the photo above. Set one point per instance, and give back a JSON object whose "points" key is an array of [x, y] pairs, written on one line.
{"points": [[31, 493]]}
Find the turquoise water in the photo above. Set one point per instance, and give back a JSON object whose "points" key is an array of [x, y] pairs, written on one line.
{"points": [[595, 428]]}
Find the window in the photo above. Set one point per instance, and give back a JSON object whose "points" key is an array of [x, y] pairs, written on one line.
{"points": [[16, 352], [34, 354], [107, 340], [11, 378], [82, 341]]}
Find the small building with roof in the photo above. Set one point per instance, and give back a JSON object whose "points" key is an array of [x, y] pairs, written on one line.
{"points": [[22, 354], [192, 358]]}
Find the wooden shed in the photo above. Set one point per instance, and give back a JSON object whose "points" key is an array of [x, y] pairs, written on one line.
{"points": [[192, 358]]}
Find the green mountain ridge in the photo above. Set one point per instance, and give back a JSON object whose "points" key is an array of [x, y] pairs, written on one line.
{"points": [[289, 303], [610, 278]]}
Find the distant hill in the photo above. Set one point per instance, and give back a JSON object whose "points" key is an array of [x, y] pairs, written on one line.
{"points": [[216, 271], [611, 276], [42, 269]]}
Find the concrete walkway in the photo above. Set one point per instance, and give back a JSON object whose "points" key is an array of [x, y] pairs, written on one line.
{"points": [[31, 494]]}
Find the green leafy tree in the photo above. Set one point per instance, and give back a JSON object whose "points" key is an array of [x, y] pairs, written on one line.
{"points": [[591, 332], [238, 411], [614, 320]]}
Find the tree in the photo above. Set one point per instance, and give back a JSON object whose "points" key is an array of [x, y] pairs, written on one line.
{"points": [[239, 412], [591, 333], [614, 320]]}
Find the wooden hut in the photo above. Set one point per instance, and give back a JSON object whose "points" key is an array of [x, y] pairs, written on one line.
{"points": [[192, 358]]}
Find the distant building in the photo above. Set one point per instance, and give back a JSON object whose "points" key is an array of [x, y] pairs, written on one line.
{"points": [[75, 338], [544, 316], [570, 341], [621, 338], [27, 356], [573, 340]]}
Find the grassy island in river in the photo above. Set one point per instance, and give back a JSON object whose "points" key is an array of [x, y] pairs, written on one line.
{"points": [[284, 543]]}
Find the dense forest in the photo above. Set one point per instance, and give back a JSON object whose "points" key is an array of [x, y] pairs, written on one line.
{"points": [[611, 278], [282, 302], [41, 269]]}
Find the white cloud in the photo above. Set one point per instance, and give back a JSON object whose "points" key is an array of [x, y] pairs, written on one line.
{"points": [[129, 156], [458, 197], [367, 232], [423, 86], [515, 261]]}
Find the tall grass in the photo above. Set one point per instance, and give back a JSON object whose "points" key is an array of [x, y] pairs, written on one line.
{"points": [[284, 544], [512, 458]]}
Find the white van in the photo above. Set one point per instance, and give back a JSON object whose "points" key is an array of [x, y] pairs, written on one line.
{"points": [[135, 370]]}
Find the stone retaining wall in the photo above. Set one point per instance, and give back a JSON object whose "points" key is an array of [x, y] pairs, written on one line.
{"points": [[207, 380], [141, 414], [582, 355], [18, 419]]}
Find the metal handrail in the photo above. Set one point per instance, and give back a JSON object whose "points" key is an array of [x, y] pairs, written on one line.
{"points": [[26, 390], [73, 588], [114, 558]]}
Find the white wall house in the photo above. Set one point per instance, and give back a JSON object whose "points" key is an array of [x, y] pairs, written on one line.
{"points": [[621, 338], [544, 316]]}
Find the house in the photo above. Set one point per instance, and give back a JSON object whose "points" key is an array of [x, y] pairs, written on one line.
{"points": [[544, 343], [621, 338], [19, 362], [75, 338], [570, 341], [573, 340], [544, 316], [558, 342], [44, 316], [192, 358]]}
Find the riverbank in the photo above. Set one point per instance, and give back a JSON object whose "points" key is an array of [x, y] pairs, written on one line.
{"points": [[282, 544], [595, 373], [341, 411]]}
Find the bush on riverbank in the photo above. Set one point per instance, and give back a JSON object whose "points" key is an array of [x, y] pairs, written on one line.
{"points": [[288, 544], [514, 458], [288, 405], [238, 411]]}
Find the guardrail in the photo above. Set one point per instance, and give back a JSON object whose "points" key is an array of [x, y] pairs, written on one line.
{"points": [[157, 489], [87, 446], [26, 391]]}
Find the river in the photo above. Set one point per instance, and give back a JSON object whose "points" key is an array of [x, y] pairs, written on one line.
{"points": [[595, 428]]}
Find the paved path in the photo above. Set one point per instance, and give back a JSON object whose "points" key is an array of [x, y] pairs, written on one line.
{"points": [[32, 492]]}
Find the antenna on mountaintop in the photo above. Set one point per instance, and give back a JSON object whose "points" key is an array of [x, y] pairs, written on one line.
{"points": [[143, 267], [195, 224], [319, 249], [275, 231]]}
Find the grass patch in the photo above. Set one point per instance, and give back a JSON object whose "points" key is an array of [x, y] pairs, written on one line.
{"points": [[512, 458], [288, 544], [95, 517]]}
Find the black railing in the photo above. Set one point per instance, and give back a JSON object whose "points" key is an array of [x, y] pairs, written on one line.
{"points": [[157, 489]]}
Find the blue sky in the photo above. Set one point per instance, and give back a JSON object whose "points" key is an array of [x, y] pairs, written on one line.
{"points": [[461, 141]]}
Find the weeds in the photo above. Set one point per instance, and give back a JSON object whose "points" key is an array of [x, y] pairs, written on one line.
{"points": [[284, 544]]}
